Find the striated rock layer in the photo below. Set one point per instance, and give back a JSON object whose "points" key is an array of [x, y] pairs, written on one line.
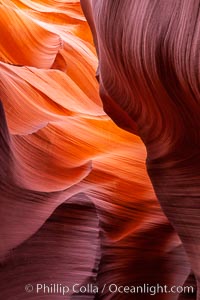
{"points": [[149, 68], [76, 203]]}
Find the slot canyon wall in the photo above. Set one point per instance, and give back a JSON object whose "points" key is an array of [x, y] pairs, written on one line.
{"points": [[79, 170]]}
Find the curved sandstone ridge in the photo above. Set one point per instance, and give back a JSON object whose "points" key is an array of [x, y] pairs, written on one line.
{"points": [[77, 206], [149, 68]]}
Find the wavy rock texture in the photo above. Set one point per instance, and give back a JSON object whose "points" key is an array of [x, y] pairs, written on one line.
{"points": [[77, 205], [149, 68]]}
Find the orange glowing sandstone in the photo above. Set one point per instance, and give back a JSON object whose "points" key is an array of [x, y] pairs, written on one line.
{"points": [[61, 144]]}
